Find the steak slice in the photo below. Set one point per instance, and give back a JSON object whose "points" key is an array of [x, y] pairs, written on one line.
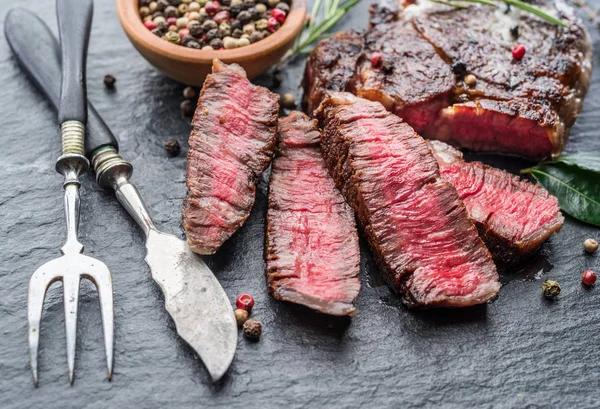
{"points": [[312, 251], [231, 143], [418, 229], [514, 217]]}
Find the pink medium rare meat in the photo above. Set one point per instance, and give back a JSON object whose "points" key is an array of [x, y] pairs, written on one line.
{"points": [[231, 143], [312, 251]]}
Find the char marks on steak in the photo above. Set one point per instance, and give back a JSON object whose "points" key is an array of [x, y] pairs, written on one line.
{"points": [[419, 231], [521, 107], [514, 217], [231, 143], [312, 251]]}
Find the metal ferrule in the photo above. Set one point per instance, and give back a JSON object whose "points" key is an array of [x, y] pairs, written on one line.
{"points": [[111, 169], [73, 137]]}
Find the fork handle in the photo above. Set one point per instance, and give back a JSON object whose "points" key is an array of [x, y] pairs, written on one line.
{"points": [[74, 25]]}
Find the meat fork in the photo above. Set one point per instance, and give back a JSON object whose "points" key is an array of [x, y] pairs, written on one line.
{"points": [[74, 22]]}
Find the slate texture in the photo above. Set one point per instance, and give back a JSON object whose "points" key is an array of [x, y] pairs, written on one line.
{"points": [[519, 351]]}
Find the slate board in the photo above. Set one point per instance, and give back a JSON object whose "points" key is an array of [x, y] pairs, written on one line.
{"points": [[518, 351]]}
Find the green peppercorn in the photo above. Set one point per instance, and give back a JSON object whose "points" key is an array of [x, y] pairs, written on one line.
{"points": [[225, 28], [182, 8], [249, 28], [550, 288], [172, 37], [261, 24]]}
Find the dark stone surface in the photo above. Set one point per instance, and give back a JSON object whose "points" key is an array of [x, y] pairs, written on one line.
{"points": [[519, 351]]}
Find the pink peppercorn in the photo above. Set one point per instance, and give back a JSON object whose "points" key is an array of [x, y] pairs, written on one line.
{"points": [[183, 32], [150, 25], [518, 52], [376, 60], [212, 8], [588, 277], [172, 21], [245, 302], [272, 24], [221, 16], [278, 15]]}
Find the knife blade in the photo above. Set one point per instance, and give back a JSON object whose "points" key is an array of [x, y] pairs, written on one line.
{"points": [[194, 298]]}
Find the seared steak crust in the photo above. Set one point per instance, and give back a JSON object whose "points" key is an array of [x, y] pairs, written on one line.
{"points": [[521, 107], [514, 217], [312, 251], [418, 229], [231, 143]]}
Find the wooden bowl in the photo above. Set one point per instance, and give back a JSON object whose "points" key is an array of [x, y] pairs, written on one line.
{"points": [[190, 66]]}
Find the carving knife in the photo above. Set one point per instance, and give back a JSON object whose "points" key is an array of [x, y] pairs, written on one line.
{"points": [[194, 297]]}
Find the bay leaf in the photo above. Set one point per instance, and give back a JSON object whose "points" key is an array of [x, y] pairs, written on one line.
{"points": [[577, 188]]}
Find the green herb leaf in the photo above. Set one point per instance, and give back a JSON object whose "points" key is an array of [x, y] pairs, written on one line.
{"points": [[587, 160], [577, 188]]}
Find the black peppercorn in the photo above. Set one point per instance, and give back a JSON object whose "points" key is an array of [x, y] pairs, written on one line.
{"points": [[387, 66], [161, 5], [248, 4], [172, 147], [196, 30], [237, 33], [187, 108], [283, 6], [186, 39], [158, 14], [175, 2], [216, 43], [158, 32], [226, 3], [193, 44], [514, 31], [235, 10], [459, 69], [109, 81], [255, 36], [276, 79], [144, 3], [244, 17], [211, 34], [462, 98], [209, 25], [236, 25], [255, 14]]}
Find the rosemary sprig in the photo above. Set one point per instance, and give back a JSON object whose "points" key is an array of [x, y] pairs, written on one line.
{"points": [[331, 11], [516, 3]]}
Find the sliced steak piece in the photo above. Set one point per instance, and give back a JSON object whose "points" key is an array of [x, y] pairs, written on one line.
{"points": [[514, 217], [231, 143], [330, 66], [312, 251], [419, 231]]}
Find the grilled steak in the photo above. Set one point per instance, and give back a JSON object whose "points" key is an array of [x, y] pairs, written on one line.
{"points": [[312, 251], [419, 231], [521, 107], [231, 143], [514, 217]]}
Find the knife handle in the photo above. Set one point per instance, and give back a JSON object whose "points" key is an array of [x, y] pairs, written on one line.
{"points": [[38, 54], [74, 25]]}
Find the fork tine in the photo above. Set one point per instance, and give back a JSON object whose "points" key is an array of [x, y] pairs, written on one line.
{"points": [[39, 283], [71, 297], [103, 282]]}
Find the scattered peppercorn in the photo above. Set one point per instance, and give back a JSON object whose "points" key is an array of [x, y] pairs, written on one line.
{"points": [[376, 60], [189, 93], [241, 316], [288, 101], [518, 52], [172, 147], [470, 80], [245, 302], [109, 82], [588, 277], [459, 69], [550, 288], [590, 246], [252, 329], [187, 108]]}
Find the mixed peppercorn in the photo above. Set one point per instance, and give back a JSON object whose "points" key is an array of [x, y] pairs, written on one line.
{"points": [[213, 25]]}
